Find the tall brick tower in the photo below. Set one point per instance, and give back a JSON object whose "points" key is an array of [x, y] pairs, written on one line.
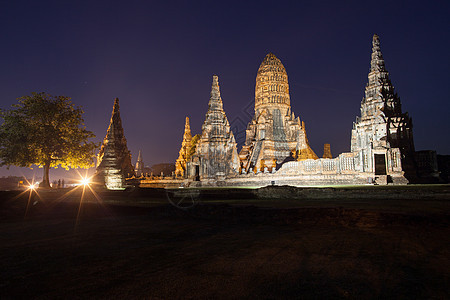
{"points": [[114, 158], [216, 155], [274, 133], [383, 132]]}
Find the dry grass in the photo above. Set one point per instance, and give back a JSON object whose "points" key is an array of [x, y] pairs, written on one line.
{"points": [[222, 251]]}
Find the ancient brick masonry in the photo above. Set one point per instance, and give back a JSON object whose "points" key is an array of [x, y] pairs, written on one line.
{"points": [[274, 133], [382, 137], [139, 167], [183, 157], [276, 150], [327, 151], [216, 155], [114, 158]]}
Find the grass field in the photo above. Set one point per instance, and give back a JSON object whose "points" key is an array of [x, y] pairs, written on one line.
{"points": [[345, 243]]}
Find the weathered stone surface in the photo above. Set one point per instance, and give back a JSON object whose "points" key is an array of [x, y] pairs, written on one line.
{"points": [[327, 151], [382, 137], [216, 155], [274, 133], [139, 168], [304, 151], [427, 166], [277, 151], [114, 158], [184, 155]]}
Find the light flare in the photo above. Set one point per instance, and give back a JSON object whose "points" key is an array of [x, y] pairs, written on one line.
{"points": [[33, 186], [85, 181]]}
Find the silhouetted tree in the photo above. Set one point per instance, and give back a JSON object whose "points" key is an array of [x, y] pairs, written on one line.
{"points": [[47, 131]]}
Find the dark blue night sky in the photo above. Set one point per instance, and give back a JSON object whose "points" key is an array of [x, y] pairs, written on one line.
{"points": [[158, 58]]}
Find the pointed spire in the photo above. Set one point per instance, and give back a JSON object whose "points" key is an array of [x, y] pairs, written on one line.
{"points": [[304, 150], [382, 124], [215, 113], [184, 155], [116, 105], [114, 158], [216, 144], [379, 90], [187, 131], [215, 101], [139, 165], [377, 62], [115, 128]]}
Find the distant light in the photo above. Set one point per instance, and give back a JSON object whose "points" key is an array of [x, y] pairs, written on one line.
{"points": [[85, 181], [33, 186]]}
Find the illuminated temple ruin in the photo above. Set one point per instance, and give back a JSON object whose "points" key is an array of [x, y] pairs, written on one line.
{"points": [[382, 138], [276, 149], [216, 156], [274, 133], [139, 167], [184, 154], [114, 158]]}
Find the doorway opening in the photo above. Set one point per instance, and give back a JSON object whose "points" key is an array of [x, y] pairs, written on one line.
{"points": [[197, 173], [380, 164]]}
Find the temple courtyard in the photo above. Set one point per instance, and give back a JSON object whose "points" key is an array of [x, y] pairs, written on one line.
{"points": [[278, 242]]}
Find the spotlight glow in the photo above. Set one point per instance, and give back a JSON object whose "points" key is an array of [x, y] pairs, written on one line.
{"points": [[33, 186], [85, 181]]}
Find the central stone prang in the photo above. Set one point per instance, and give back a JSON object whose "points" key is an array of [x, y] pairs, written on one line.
{"points": [[274, 134]]}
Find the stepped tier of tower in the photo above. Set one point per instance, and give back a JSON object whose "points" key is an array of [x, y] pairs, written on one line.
{"points": [[216, 153], [184, 153], [382, 125], [139, 168], [274, 134], [114, 158], [272, 86], [276, 148]]}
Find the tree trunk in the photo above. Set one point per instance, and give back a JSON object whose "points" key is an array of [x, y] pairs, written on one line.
{"points": [[46, 179]]}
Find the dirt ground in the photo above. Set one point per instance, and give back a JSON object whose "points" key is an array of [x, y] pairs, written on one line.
{"points": [[54, 249]]}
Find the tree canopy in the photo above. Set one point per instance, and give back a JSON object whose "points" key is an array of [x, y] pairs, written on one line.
{"points": [[47, 131]]}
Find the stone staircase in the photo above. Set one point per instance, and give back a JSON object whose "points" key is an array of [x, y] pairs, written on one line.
{"points": [[255, 153], [381, 179]]}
